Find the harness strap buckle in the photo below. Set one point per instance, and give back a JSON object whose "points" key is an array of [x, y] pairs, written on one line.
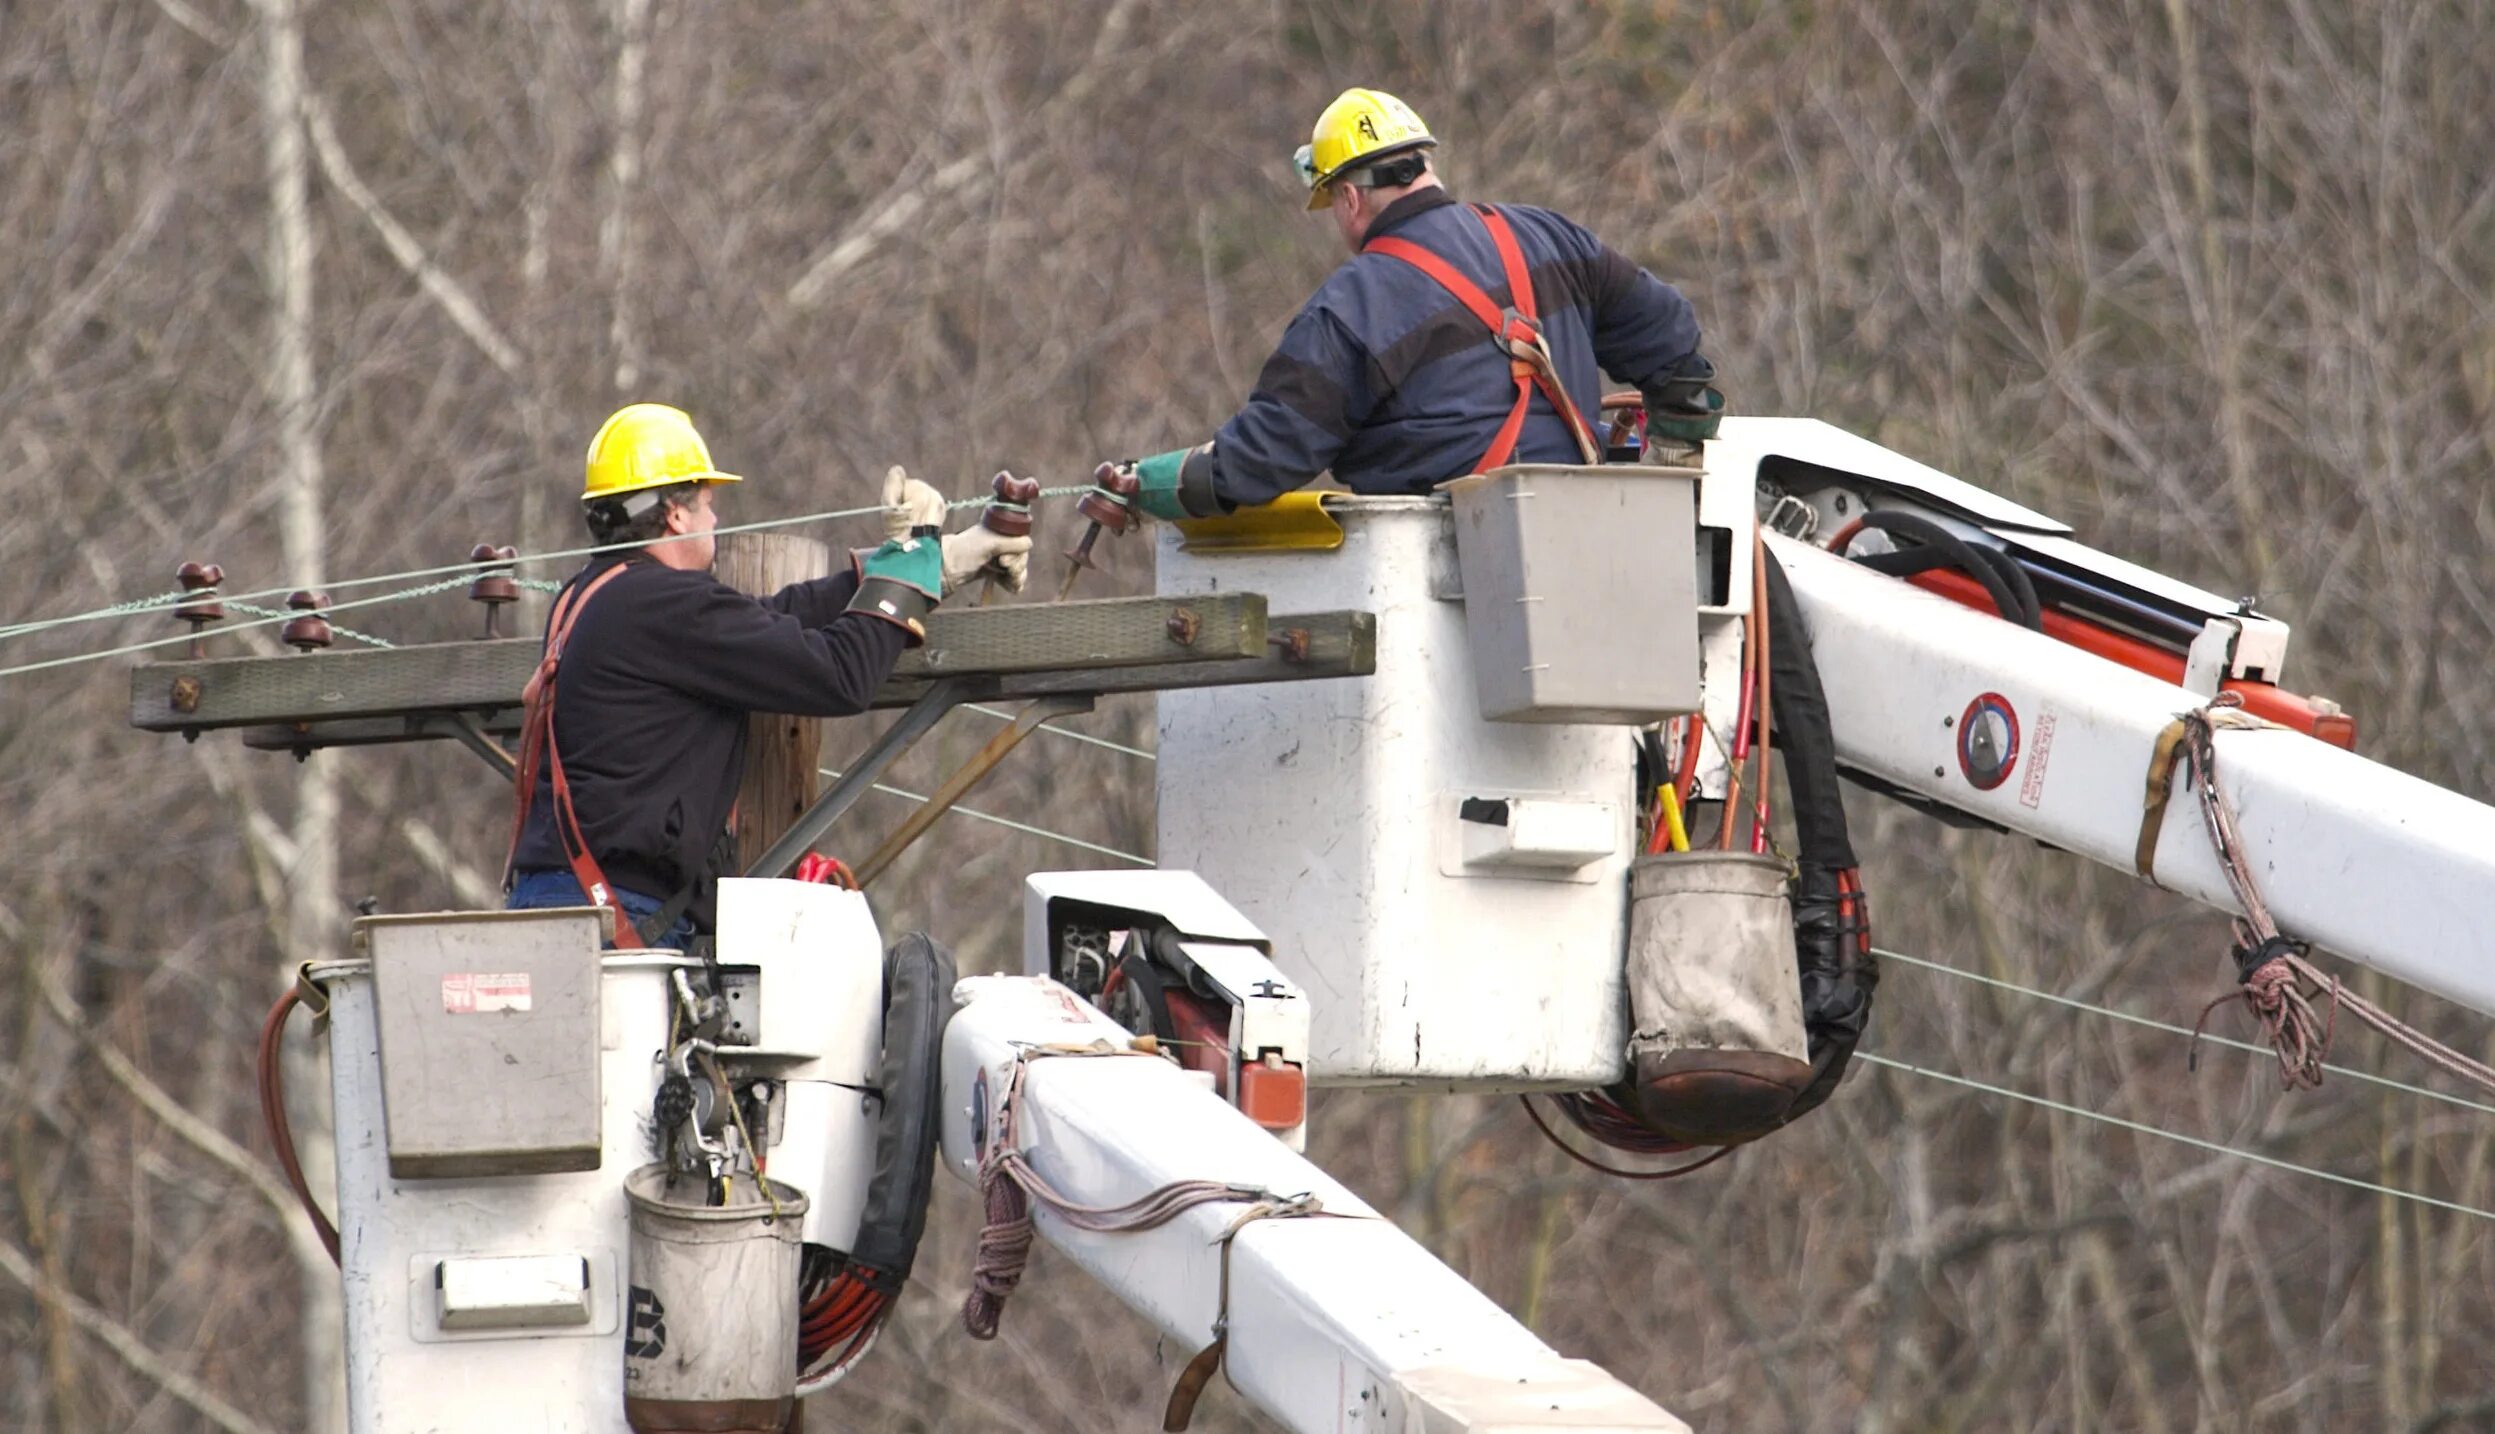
{"points": [[1519, 330]]}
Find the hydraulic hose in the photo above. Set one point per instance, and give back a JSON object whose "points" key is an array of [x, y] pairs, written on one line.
{"points": [[1830, 913], [273, 1114], [2011, 590]]}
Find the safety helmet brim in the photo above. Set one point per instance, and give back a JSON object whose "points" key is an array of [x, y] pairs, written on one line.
{"points": [[1321, 189], [592, 495]]}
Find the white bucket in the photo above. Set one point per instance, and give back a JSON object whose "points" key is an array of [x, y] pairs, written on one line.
{"points": [[710, 1338]]}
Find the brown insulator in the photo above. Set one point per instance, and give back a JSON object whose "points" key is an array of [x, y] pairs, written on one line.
{"points": [[495, 586], [200, 578], [310, 631], [1111, 501], [1009, 510]]}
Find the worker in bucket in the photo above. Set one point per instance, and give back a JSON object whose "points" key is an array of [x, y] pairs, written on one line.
{"points": [[1456, 339], [634, 738]]}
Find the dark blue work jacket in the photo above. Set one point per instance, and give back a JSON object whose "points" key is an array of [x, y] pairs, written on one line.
{"points": [[1388, 381]]}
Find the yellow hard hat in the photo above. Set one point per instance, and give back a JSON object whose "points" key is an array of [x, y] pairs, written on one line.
{"points": [[1361, 127], [647, 445]]}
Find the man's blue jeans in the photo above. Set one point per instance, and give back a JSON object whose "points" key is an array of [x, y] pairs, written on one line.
{"points": [[536, 890]]}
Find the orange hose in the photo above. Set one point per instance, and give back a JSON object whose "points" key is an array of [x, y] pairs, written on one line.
{"points": [[1750, 635]]}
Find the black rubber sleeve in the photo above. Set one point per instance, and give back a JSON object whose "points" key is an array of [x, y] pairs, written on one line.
{"points": [[1837, 976], [918, 1002]]}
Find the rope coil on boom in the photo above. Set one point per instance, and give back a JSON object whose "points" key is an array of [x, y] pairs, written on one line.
{"points": [[1008, 1185], [2271, 968]]}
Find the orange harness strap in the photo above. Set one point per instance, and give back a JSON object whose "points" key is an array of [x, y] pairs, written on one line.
{"points": [[537, 744], [1516, 330]]}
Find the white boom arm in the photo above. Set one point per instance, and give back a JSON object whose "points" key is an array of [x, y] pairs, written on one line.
{"points": [[2369, 862], [1338, 1322]]}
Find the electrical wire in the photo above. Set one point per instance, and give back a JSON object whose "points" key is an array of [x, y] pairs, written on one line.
{"points": [[466, 571], [1056, 731], [2170, 1028], [2196, 1142], [1010, 823], [425, 590]]}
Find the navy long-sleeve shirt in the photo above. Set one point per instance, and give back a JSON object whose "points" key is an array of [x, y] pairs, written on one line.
{"points": [[660, 673], [1387, 380]]}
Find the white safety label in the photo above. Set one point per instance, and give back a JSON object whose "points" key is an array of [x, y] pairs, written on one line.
{"points": [[2032, 790], [472, 993]]}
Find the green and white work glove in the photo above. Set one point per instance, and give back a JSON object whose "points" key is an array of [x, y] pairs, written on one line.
{"points": [[913, 507]]}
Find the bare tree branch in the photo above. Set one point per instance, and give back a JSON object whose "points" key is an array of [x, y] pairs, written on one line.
{"points": [[113, 1336], [898, 209], [194, 1132], [438, 857], [462, 310]]}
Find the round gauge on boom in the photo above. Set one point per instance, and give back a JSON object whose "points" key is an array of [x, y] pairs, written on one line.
{"points": [[1988, 741]]}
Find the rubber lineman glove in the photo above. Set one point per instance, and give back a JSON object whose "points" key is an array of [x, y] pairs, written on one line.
{"points": [[901, 582], [1177, 484], [1685, 406]]}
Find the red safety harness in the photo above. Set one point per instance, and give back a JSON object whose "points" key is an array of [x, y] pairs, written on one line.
{"points": [[537, 744], [1517, 331]]}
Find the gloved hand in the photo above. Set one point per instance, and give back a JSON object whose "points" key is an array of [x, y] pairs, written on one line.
{"points": [[913, 507], [1177, 484], [909, 504], [1684, 406], [975, 551]]}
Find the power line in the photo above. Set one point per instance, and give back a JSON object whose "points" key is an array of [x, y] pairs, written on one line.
{"points": [[2153, 1024], [178, 599], [2194, 1141], [465, 570], [153, 643], [1057, 731], [1010, 823], [1966, 1082]]}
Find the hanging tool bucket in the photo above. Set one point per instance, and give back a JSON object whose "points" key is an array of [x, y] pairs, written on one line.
{"points": [[710, 1337], [1716, 1046]]}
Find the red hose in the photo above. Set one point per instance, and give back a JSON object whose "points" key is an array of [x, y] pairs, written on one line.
{"points": [[273, 1113], [1759, 560], [1753, 673]]}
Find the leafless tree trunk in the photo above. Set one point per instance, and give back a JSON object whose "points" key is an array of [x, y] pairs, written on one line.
{"points": [[312, 869], [618, 236]]}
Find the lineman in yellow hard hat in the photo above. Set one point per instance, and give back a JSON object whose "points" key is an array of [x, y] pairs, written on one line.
{"points": [[1457, 338], [634, 740]]}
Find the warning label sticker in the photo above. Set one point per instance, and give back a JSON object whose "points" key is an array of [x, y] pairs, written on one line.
{"points": [[476, 993], [2032, 791]]}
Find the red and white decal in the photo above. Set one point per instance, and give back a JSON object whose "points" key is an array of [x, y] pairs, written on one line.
{"points": [[2039, 753], [477, 993]]}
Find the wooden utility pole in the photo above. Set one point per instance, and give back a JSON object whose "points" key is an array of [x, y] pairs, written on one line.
{"points": [[782, 753]]}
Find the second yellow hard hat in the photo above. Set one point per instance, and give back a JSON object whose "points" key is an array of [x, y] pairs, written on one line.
{"points": [[1361, 127]]}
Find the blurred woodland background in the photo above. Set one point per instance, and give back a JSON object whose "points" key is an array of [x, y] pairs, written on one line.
{"points": [[325, 288]]}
